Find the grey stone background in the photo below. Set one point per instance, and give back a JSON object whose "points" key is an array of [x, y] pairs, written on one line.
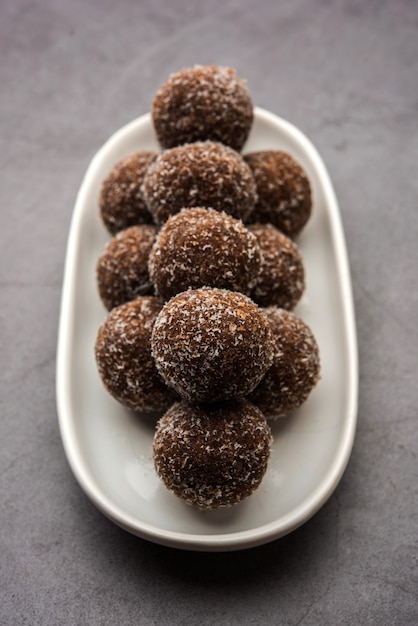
{"points": [[346, 73]]}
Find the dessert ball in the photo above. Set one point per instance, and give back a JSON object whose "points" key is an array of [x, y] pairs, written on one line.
{"points": [[121, 202], [295, 369], [202, 174], [212, 344], [203, 102], [283, 189], [123, 356], [202, 247], [212, 456], [122, 269], [281, 280]]}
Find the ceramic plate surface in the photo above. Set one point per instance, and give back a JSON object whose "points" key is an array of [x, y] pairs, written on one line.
{"points": [[109, 448]]}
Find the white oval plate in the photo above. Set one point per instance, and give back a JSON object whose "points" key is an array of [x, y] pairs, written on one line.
{"points": [[109, 448]]}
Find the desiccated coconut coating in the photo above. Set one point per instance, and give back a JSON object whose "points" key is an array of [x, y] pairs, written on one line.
{"points": [[121, 202], [212, 344], [295, 369], [123, 356], [283, 189], [202, 247], [212, 457], [203, 102], [202, 174], [122, 269], [281, 281]]}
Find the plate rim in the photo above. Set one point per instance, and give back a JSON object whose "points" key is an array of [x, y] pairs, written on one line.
{"points": [[224, 541]]}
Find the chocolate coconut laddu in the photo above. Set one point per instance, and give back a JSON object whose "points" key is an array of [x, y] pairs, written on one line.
{"points": [[121, 202], [296, 365], [122, 269], [124, 360], [212, 344], [202, 247], [212, 456], [201, 174], [203, 102], [283, 190], [281, 280]]}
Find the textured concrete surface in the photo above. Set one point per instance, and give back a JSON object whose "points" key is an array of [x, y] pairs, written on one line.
{"points": [[345, 72]]}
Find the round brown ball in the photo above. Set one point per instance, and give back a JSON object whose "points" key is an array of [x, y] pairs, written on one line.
{"points": [[283, 189], [212, 457], [202, 247], [203, 102], [202, 174], [123, 357], [281, 281], [212, 344], [121, 202], [296, 366], [122, 269]]}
